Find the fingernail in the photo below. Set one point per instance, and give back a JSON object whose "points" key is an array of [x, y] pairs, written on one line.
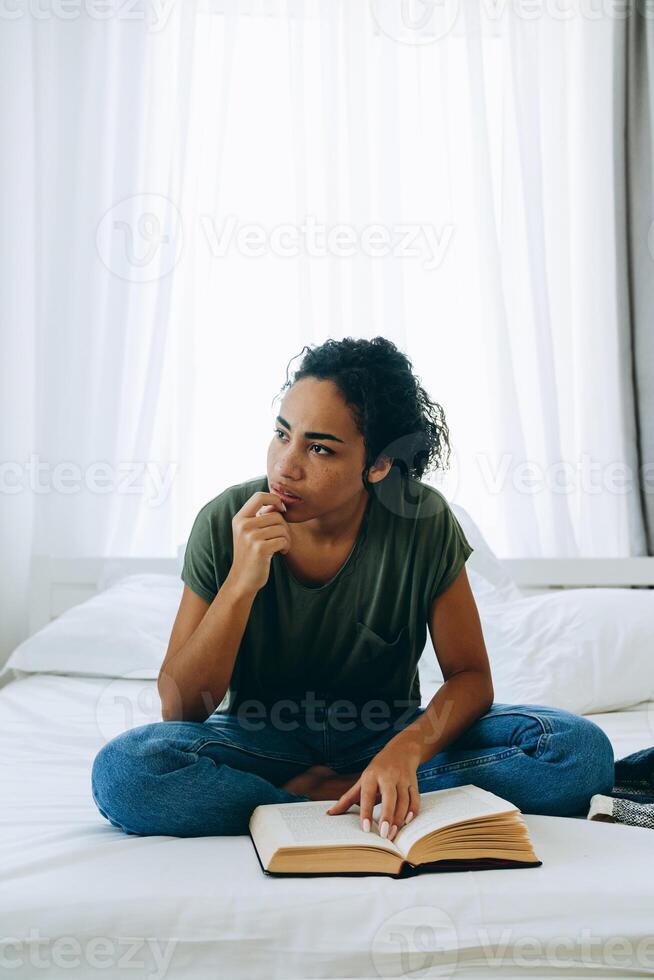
{"points": [[366, 825], [409, 816], [383, 830], [393, 832]]}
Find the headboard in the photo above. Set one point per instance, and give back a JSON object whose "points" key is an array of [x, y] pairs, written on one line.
{"points": [[56, 584], [59, 583], [542, 574]]}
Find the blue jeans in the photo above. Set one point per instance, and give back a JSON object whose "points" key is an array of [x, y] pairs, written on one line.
{"points": [[195, 779]]}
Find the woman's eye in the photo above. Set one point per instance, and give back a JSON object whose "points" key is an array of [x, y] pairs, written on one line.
{"points": [[328, 452]]}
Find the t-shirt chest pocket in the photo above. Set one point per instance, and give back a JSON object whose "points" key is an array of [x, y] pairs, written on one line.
{"points": [[369, 644]]}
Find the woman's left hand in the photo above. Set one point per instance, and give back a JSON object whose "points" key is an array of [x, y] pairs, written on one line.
{"points": [[391, 776]]}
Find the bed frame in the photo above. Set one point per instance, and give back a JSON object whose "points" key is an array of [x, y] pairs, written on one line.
{"points": [[59, 583]]}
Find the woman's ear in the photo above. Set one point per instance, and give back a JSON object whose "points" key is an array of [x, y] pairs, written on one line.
{"points": [[380, 469]]}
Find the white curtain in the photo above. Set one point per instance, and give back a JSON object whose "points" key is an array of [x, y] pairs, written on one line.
{"points": [[194, 191]]}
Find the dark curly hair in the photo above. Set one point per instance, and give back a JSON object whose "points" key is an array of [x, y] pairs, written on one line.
{"points": [[392, 411]]}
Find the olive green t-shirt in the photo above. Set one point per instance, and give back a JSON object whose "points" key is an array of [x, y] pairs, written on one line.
{"points": [[358, 636]]}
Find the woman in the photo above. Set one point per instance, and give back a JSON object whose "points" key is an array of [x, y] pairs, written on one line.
{"points": [[292, 668]]}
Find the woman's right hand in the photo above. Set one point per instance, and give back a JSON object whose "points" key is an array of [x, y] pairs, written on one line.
{"points": [[258, 530]]}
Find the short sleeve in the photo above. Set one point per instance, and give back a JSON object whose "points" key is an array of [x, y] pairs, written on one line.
{"points": [[452, 551], [199, 571]]}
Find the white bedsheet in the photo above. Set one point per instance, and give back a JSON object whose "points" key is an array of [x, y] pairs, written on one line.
{"points": [[77, 894]]}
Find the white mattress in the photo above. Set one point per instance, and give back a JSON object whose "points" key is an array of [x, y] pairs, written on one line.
{"points": [[77, 893]]}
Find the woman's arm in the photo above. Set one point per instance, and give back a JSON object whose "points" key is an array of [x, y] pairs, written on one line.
{"points": [[199, 663], [466, 694]]}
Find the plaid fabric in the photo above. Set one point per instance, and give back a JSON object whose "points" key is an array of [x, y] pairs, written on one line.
{"points": [[615, 810], [631, 800], [634, 777]]}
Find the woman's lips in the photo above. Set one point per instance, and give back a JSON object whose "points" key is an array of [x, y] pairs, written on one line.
{"points": [[285, 497]]}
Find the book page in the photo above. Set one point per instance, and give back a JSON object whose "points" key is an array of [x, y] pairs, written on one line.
{"points": [[443, 807], [307, 825]]}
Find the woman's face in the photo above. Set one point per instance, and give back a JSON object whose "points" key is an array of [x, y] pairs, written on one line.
{"points": [[316, 451]]}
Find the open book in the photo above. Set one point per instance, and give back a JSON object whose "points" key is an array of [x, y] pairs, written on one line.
{"points": [[464, 828]]}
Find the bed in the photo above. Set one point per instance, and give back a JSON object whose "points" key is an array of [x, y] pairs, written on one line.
{"points": [[80, 898]]}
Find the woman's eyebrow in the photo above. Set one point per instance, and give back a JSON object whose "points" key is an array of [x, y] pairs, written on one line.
{"points": [[311, 435]]}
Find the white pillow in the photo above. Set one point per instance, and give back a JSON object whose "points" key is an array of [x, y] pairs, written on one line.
{"points": [[122, 631], [585, 650]]}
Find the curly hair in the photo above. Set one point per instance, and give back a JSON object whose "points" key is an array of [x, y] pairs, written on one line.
{"points": [[391, 409]]}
